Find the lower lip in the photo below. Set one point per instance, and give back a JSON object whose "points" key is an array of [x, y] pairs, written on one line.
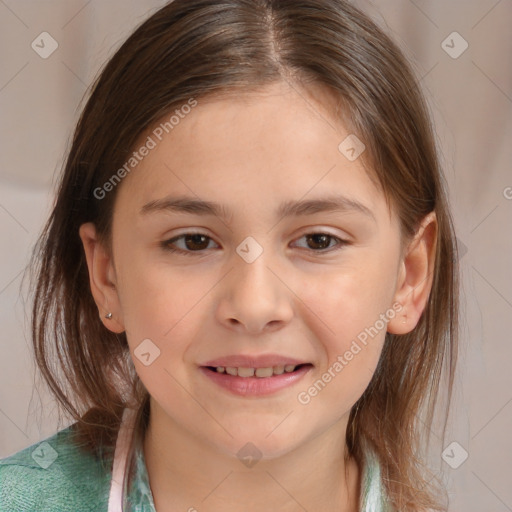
{"points": [[255, 386]]}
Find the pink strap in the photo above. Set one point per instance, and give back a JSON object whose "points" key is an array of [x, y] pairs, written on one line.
{"points": [[115, 500]]}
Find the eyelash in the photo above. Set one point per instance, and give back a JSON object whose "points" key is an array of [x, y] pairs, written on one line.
{"points": [[166, 245]]}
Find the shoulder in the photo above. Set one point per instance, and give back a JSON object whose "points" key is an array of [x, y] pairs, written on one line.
{"points": [[54, 474]]}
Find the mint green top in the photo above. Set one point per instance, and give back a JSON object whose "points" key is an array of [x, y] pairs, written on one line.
{"points": [[56, 475]]}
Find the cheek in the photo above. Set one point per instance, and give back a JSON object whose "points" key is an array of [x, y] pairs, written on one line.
{"points": [[155, 296], [160, 307], [346, 302], [347, 310], [348, 326]]}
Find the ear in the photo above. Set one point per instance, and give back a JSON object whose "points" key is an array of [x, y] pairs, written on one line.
{"points": [[416, 274], [102, 278]]}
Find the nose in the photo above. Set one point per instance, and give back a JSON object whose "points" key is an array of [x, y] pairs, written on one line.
{"points": [[253, 297]]}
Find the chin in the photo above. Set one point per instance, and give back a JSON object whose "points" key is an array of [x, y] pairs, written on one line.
{"points": [[259, 445]]}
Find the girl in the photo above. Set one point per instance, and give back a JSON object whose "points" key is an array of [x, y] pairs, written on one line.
{"points": [[247, 288]]}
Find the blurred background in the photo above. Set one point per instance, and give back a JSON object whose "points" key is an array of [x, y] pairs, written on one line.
{"points": [[51, 51]]}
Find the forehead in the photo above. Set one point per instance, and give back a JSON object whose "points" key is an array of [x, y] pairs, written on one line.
{"points": [[251, 149]]}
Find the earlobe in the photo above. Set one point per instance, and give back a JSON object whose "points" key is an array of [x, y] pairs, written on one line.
{"points": [[415, 276], [101, 278]]}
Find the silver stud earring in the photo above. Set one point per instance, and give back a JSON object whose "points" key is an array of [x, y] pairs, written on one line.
{"points": [[108, 316]]}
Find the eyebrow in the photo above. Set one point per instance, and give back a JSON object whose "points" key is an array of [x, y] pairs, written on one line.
{"points": [[184, 204]]}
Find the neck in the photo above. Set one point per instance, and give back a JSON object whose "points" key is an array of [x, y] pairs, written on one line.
{"points": [[187, 472]]}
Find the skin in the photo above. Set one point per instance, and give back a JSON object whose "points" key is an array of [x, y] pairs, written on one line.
{"points": [[250, 153]]}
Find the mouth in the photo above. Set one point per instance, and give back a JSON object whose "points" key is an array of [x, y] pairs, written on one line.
{"points": [[254, 382], [259, 373]]}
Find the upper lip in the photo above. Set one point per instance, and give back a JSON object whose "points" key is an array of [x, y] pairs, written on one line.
{"points": [[248, 361]]}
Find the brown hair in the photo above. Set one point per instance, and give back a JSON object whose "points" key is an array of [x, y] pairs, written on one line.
{"points": [[198, 48]]}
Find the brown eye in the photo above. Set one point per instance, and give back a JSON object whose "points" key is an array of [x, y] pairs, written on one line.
{"points": [[320, 242], [190, 243], [196, 242]]}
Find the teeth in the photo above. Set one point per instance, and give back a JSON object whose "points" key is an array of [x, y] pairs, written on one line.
{"points": [[256, 372], [263, 372], [245, 372]]}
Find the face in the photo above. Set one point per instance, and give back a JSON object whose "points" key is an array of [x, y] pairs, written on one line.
{"points": [[268, 273]]}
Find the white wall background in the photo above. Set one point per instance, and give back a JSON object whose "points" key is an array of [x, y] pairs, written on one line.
{"points": [[471, 101]]}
